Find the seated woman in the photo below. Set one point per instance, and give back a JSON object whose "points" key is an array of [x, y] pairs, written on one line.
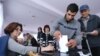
{"points": [[9, 41], [46, 35]]}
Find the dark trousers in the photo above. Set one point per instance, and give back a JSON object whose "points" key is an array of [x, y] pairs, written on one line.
{"points": [[95, 50]]}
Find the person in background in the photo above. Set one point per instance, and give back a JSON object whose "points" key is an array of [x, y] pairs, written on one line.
{"points": [[46, 39], [20, 40], [57, 39], [25, 39], [31, 40], [40, 32], [46, 35], [69, 26], [90, 25], [9, 41]]}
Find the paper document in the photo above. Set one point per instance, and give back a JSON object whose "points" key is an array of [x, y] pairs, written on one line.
{"points": [[63, 43]]}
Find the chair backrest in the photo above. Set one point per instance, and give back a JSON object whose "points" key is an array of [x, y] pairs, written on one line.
{"points": [[3, 45]]}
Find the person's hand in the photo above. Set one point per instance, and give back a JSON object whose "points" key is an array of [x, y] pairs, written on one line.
{"points": [[57, 34], [48, 48], [32, 53], [72, 43], [94, 33]]}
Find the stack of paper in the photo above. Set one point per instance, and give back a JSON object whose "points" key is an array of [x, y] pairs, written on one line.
{"points": [[63, 43]]}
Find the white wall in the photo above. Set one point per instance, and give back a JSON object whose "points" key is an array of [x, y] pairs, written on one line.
{"points": [[1, 18]]}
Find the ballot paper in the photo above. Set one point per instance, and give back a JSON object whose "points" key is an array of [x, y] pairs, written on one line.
{"points": [[63, 43]]}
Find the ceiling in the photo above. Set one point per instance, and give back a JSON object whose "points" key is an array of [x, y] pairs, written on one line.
{"points": [[35, 13]]}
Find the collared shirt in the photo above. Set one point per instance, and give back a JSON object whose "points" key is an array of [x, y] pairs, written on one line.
{"points": [[85, 20]]}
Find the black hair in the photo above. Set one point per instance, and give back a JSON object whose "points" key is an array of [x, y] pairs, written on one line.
{"points": [[72, 7], [46, 26], [40, 28]]}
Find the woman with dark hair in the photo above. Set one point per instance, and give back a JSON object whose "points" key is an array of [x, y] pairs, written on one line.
{"points": [[46, 35], [9, 42], [40, 32]]}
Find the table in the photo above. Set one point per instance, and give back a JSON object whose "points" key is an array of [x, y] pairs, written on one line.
{"points": [[57, 53]]}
